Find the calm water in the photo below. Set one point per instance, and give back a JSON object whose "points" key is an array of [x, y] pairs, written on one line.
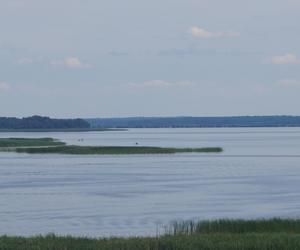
{"points": [[258, 175]]}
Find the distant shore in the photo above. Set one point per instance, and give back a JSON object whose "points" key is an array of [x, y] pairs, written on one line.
{"points": [[196, 122], [47, 124]]}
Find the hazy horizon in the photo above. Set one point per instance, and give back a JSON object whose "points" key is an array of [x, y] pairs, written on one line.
{"points": [[96, 58]]}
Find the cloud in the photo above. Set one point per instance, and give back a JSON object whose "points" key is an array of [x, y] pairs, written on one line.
{"points": [[161, 84], [4, 87], [285, 59], [289, 83], [25, 61], [71, 63], [199, 32]]}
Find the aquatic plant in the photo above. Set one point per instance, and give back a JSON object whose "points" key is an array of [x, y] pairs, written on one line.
{"points": [[274, 234], [29, 142], [114, 150]]}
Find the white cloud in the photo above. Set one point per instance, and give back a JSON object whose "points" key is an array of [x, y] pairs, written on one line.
{"points": [[71, 63], [24, 61], [285, 59], [161, 84], [289, 83], [4, 87], [203, 33]]}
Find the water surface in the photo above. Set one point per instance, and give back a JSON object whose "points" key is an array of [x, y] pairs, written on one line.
{"points": [[257, 176]]}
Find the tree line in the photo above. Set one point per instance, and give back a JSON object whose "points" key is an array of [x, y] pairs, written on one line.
{"points": [[194, 122], [41, 122]]}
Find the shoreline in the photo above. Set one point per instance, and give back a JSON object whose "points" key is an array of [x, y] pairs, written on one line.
{"points": [[63, 130], [276, 234], [54, 146], [110, 150]]}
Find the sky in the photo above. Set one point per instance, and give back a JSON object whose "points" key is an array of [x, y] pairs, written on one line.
{"points": [[109, 58]]}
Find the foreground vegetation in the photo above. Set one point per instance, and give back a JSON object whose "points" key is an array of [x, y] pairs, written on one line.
{"points": [[63, 130], [275, 225], [273, 234], [29, 142], [113, 150]]}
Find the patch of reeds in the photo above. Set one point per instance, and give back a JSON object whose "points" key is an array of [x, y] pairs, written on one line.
{"points": [[275, 225], [88, 150], [273, 234], [29, 142]]}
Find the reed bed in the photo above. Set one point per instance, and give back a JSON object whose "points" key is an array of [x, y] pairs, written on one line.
{"points": [[29, 142], [275, 225], [274, 234], [87, 150]]}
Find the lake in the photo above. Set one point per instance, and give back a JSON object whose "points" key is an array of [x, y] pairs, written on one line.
{"points": [[257, 176]]}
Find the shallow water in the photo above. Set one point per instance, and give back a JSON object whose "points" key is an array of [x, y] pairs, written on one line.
{"points": [[257, 176]]}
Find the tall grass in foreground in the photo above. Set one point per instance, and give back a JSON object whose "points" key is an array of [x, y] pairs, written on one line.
{"points": [[64, 130], [275, 234], [275, 225], [281, 241]]}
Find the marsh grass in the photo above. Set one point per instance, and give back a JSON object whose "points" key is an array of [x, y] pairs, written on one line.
{"points": [[29, 142], [52, 146], [85, 150], [275, 225], [275, 234], [64, 130]]}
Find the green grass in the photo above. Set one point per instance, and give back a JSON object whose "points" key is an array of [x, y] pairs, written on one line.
{"points": [[53, 146], [282, 241], [62, 130], [85, 150], [235, 226], [275, 234], [29, 142]]}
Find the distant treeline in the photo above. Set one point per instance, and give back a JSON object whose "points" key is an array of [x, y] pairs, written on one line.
{"points": [[195, 122], [39, 122]]}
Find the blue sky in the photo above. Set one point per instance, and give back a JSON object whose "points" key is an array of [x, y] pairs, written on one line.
{"points": [[95, 58]]}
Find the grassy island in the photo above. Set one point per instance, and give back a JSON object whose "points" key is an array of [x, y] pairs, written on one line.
{"points": [[29, 142], [53, 146], [65, 130], [274, 234], [87, 150]]}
